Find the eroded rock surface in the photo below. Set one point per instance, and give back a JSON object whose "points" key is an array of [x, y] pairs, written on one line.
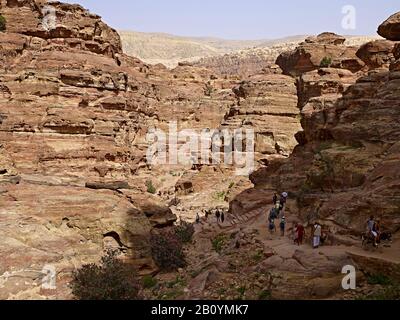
{"points": [[74, 115], [325, 50], [342, 171]]}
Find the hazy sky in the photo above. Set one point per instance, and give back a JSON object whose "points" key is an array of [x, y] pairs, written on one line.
{"points": [[240, 19]]}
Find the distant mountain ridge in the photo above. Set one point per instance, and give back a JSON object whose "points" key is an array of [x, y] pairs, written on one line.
{"points": [[170, 50], [154, 48], [253, 60]]}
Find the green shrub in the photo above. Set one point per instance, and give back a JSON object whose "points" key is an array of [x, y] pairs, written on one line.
{"points": [[264, 295], [259, 256], [150, 187], [220, 196], [185, 231], [208, 90], [167, 250], [391, 292], [379, 279], [218, 243], [111, 280], [177, 282], [2, 23], [149, 282], [326, 62], [242, 292]]}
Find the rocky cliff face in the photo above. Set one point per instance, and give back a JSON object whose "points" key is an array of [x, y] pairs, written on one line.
{"points": [[344, 168], [74, 114]]}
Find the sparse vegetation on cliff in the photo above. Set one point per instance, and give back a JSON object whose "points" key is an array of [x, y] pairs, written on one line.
{"points": [[388, 289], [185, 231], [2, 23], [218, 243], [326, 62], [150, 187], [149, 282], [167, 250], [110, 280]]}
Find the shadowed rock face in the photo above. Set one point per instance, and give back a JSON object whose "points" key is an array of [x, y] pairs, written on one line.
{"points": [[343, 170], [376, 54], [74, 114]]}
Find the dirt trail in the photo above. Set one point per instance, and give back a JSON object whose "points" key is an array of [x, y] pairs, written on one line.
{"points": [[257, 220], [251, 257], [389, 253]]}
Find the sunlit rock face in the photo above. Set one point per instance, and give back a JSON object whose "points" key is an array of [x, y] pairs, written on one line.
{"points": [[74, 115], [344, 168]]}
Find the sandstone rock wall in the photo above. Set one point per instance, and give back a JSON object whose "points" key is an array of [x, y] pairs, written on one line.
{"points": [[74, 114], [343, 169]]}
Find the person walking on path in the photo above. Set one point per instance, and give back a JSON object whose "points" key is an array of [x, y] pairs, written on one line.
{"points": [[282, 201], [371, 230], [272, 227], [222, 217], [273, 214], [299, 234], [275, 199], [282, 226], [197, 218], [317, 235], [218, 215], [377, 230], [283, 198]]}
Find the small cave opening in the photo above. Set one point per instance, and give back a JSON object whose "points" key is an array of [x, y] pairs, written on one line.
{"points": [[114, 235]]}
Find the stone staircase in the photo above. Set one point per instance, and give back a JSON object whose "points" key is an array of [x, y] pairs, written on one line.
{"points": [[231, 221]]}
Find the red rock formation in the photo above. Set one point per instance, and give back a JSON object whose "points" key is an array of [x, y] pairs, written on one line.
{"points": [[376, 54], [390, 29], [309, 55], [74, 114], [343, 170]]}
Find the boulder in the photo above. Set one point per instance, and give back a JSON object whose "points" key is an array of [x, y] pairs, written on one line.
{"points": [[390, 29], [377, 54], [327, 38]]}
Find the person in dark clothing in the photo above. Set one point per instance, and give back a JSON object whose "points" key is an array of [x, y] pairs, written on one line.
{"points": [[273, 214], [218, 215], [300, 231], [282, 226], [275, 199], [222, 217], [272, 227]]}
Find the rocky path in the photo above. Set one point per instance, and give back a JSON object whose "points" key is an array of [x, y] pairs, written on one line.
{"points": [[232, 221], [288, 270]]}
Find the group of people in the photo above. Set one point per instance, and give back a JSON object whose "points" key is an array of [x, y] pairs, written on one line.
{"points": [[278, 212], [299, 231], [218, 213]]}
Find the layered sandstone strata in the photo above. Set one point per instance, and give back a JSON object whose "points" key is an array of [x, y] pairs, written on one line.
{"points": [[344, 168], [74, 115]]}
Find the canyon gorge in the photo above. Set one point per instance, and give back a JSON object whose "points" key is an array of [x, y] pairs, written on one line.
{"points": [[75, 111]]}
